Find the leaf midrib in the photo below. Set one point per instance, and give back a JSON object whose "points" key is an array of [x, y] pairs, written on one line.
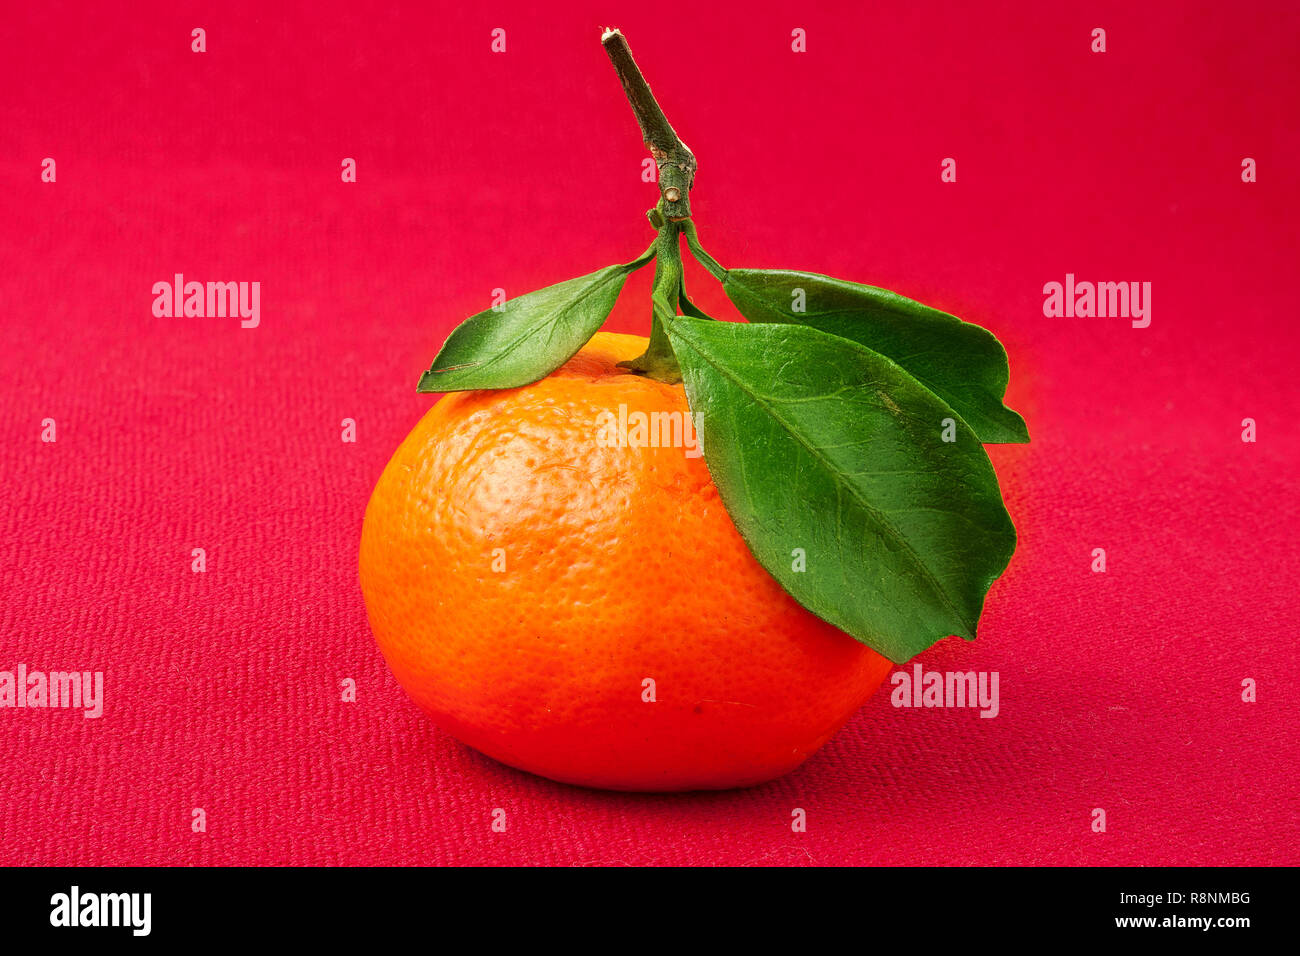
{"points": [[902, 540], [905, 308], [514, 345], [850, 314]]}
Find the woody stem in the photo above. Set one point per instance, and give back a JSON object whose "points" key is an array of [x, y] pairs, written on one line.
{"points": [[676, 163]]}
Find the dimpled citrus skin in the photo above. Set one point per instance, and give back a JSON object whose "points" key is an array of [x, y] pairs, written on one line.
{"points": [[620, 565]]}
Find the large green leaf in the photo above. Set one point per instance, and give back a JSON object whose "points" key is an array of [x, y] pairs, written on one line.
{"points": [[819, 443], [962, 363], [529, 337]]}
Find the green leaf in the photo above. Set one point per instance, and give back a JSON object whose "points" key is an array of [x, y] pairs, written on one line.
{"points": [[531, 336], [962, 363], [819, 443], [690, 308]]}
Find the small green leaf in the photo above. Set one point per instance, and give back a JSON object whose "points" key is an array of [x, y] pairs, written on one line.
{"points": [[690, 308], [962, 363], [531, 336], [818, 443]]}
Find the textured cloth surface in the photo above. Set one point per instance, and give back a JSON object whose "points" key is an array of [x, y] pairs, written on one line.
{"points": [[478, 170]]}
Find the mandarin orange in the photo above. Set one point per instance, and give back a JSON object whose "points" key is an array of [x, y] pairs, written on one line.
{"points": [[587, 611]]}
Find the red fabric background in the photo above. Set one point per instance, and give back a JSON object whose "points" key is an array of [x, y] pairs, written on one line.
{"points": [[479, 170]]}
